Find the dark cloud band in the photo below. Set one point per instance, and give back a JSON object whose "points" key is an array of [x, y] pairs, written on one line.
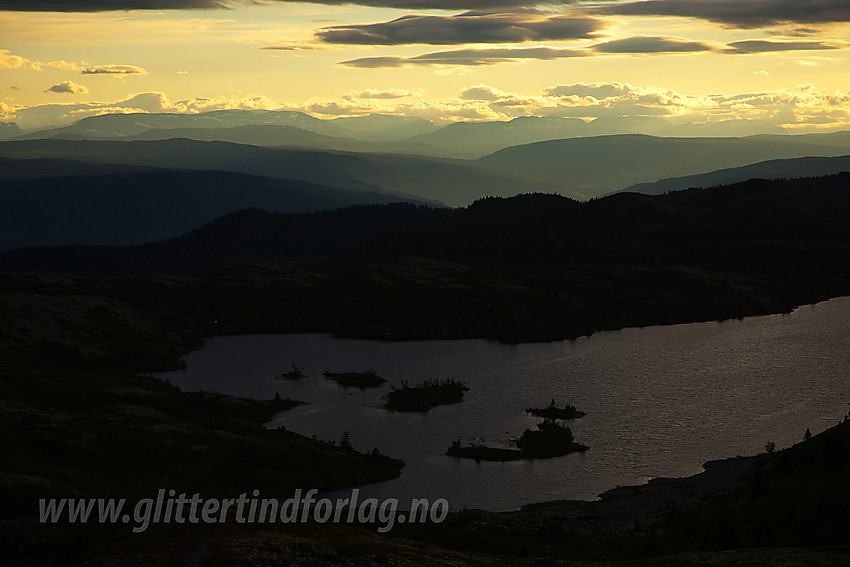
{"points": [[652, 44], [467, 28], [638, 45], [106, 5], [470, 57], [767, 46], [739, 13]]}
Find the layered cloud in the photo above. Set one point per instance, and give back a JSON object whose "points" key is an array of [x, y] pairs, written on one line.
{"points": [[617, 106], [622, 107], [121, 70], [378, 94], [653, 44], [769, 46], [105, 5], [637, 45], [467, 28], [733, 13], [49, 115], [9, 61], [746, 14], [469, 57], [68, 87]]}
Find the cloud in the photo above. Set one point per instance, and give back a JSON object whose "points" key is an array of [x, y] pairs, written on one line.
{"points": [[769, 46], [467, 57], [106, 5], [482, 92], [9, 61], [68, 87], [746, 14], [598, 91], [376, 94], [293, 47], [121, 70], [52, 115], [619, 107], [653, 44], [470, 27], [636, 45], [64, 65], [616, 107], [733, 13]]}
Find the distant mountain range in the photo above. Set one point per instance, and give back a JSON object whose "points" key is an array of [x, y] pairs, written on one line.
{"points": [[387, 133], [400, 157], [589, 167], [453, 182], [109, 126], [9, 130]]}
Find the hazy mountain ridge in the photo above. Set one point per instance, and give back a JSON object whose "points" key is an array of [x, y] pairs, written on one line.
{"points": [[16, 169], [410, 134], [454, 182], [134, 208], [594, 166], [578, 167], [118, 125], [385, 127], [771, 169], [9, 130], [529, 129], [290, 137]]}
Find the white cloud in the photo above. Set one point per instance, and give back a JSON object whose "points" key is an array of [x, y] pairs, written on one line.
{"points": [[379, 94], [9, 61], [68, 87], [799, 108]]}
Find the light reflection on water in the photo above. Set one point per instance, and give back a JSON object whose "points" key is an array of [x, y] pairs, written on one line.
{"points": [[660, 401]]}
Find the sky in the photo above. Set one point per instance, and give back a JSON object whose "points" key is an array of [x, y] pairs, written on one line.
{"points": [[780, 64]]}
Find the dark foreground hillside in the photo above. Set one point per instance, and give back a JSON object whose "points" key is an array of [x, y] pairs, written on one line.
{"points": [[79, 420]]}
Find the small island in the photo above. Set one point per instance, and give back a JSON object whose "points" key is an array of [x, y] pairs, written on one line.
{"points": [[362, 380], [428, 394], [551, 439], [294, 373], [554, 412]]}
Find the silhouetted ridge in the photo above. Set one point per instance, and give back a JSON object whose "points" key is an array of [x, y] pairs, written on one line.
{"points": [[759, 226], [281, 237]]}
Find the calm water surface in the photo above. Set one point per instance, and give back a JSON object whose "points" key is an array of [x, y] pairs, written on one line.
{"points": [[660, 401]]}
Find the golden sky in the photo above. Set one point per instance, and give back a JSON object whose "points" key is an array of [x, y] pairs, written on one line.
{"points": [[782, 62]]}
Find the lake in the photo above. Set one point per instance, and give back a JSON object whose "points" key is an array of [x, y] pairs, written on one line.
{"points": [[660, 401]]}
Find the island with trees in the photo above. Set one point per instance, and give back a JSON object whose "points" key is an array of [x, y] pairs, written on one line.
{"points": [[552, 411], [428, 394], [294, 373], [550, 439]]}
